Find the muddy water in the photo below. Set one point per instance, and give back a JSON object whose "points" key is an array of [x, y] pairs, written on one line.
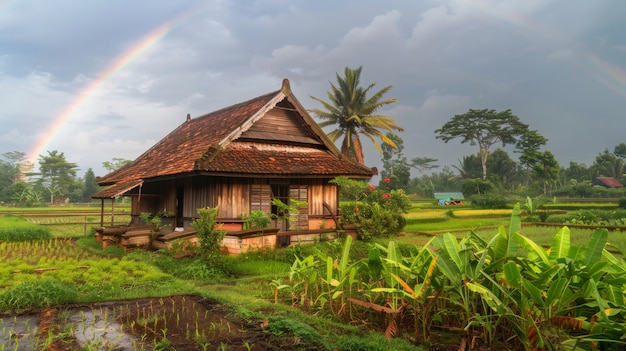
{"points": [[179, 322]]}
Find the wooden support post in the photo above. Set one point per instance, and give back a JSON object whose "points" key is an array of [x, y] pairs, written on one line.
{"points": [[112, 211], [101, 213]]}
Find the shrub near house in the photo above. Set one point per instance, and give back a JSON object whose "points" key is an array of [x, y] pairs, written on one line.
{"points": [[376, 213]]}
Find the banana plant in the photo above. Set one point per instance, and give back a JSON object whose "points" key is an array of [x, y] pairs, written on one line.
{"points": [[340, 279]]}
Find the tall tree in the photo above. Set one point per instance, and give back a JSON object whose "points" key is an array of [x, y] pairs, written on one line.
{"points": [[469, 167], [90, 187], [503, 168], [485, 128], [529, 146], [577, 172], [546, 169], [609, 165], [620, 150], [354, 114], [56, 174], [396, 170], [10, 173]]}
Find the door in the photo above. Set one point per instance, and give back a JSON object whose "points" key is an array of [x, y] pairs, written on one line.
{"points": [[180, 193]]}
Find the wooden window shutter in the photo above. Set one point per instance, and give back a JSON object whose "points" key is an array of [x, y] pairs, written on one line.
{"points": [[260, 197]]}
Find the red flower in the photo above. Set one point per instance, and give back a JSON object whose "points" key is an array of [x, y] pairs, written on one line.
{"points": [[356, 209], [386, 196], [372, 187], [387, 180]]}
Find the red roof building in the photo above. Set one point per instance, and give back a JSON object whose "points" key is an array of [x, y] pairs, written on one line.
{"points": [[237, 159], [607, 182]]}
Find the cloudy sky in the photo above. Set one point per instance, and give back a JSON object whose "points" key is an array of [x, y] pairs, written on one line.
{"points": [[104, 79]]}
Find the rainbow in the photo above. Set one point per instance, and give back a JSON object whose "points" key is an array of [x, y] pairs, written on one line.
{"points": [[123, 60]]}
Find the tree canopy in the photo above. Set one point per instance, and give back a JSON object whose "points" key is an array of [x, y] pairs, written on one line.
{"points": [[56, 174], [353, 114], [485, 128], [115, 164]]}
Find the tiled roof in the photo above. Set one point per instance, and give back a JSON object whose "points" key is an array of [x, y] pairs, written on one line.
{"points": [[279, 159], [609, 182], [209, 144], [118, 189]]}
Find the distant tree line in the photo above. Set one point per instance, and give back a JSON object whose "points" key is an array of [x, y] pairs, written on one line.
{"points": [[54, 182]]}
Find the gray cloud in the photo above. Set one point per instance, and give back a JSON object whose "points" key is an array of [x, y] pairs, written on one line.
{"points": [[559, 65]]}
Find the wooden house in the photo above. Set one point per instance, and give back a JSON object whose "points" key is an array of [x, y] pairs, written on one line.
{"points": [[238, 159]]}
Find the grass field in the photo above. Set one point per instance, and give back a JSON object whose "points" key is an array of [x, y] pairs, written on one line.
{"points": [[78, 270]]}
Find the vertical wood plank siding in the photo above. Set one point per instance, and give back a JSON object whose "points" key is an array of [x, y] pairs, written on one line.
{"points": [[234, 197]]}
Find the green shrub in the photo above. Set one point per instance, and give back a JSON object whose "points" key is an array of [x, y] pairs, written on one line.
{"points": [[488, 201], [477, 186], [209, 237], [622, 202], [560, 218]]}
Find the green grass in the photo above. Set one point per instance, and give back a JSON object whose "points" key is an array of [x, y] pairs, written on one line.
{"points": [[243, 281], [13, 228], [93, 207], [449, 224], [82, 276]]}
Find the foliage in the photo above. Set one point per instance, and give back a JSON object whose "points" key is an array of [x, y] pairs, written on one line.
{"points": [[209, 237], [609, 165], [352, 113], [13, 228], [506, 292], [279, 325], [37, 294], [115, 164], [477, 186], [545, 169], [89, 187], [396, 168], [485, 128], [489, 200], [376, 213], [56, 175], [10, 171], [598, 217], [288, 211], [72, 275], [622, 202], [256, 219]]}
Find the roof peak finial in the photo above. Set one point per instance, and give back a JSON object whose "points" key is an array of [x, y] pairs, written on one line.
{"points": [[188, 117], [286, 88]]}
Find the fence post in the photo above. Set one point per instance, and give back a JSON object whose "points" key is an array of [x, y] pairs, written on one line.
{"points": [[85, 227]]}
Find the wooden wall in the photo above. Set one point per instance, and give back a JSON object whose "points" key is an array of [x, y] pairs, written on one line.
{"points": [[236, 196]]}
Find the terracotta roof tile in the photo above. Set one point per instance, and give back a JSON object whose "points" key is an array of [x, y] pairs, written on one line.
{"points": [[209, 144], [279, 159]]}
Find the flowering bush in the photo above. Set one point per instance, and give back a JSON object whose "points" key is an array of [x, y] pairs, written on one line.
{"points": [[376, 213]]}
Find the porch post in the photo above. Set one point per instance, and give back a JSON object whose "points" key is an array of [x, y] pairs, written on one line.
{"points": [[112, 211], [101, 212]]}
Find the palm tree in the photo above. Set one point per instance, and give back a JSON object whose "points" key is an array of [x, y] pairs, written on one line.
{"points": [[353, 113]]}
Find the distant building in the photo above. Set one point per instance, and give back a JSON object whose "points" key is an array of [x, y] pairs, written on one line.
{"points": [[607, 182]]}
